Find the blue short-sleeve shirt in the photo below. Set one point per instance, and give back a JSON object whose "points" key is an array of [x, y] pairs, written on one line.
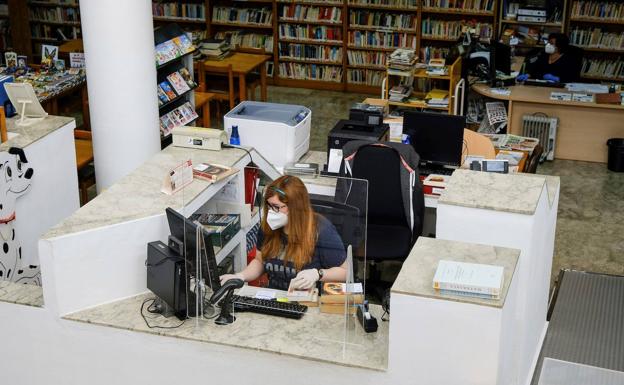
{"points": [[329, 252]]}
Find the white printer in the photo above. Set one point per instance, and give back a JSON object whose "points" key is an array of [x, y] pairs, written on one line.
{"points": [[280, 132]]}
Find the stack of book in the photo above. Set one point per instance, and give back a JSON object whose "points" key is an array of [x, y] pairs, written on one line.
{"points": [[215, 49], [437, 98], [399, 93], [402, 61], [337, 297], [468, 279], [437, 67]]}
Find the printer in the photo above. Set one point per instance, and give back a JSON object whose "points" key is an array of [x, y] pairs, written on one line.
{"points": [[279, 132], [347, 130]]}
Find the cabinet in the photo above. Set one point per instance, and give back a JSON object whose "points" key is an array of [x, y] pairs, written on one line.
{"points": [[175, 83], [422, 84]]}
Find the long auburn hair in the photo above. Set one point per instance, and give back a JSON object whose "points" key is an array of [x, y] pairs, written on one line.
{"points": [[301, 226]]}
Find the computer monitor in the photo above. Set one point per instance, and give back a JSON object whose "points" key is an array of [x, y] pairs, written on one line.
{"points": [[500, 60], [437, 138], [185, 232]]}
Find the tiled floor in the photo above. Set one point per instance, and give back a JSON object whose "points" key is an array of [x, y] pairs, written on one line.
{"points": [[590, 225]]}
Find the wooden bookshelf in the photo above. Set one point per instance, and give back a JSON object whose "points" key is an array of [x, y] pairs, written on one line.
{"points": [[597, 34], [45, 19]]}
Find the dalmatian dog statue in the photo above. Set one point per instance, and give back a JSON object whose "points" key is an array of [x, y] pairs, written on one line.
{"points": [[15, 180]]}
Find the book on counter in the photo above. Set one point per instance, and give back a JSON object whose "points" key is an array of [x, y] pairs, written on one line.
{"points": [[338, 292], [303, 296], [212, 172], [470, 279], [434, 184]]}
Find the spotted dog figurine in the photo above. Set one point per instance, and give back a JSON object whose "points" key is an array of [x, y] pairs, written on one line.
{"points": [[15, 180]]}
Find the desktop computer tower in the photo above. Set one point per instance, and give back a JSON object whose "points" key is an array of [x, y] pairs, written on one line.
{"points": [[166, 277]]}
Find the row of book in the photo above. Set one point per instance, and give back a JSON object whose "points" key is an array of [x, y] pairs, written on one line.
{"points": [[310, 32], [598, 9], [180, 116], [177, 83], [597, 38], [366, 77], [172, 49], [260, 16], [46, 31], [382, 19], [454, 29], [381, 39], [388, 3], [310, 72], [308, 13], [246, 39], [183, 10], [58, 14], [604, 68], [315, 52], [327, 2], [366, 58], [463, 5], [428, 53]]}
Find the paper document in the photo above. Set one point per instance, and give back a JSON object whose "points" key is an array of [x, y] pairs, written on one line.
{"points": [[335, 157]]}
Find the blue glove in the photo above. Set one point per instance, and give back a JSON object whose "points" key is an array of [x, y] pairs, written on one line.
{"points": [[522, 77], [551, 78]]}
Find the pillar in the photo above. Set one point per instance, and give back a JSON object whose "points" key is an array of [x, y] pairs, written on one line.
{"points": [[118, 43]]}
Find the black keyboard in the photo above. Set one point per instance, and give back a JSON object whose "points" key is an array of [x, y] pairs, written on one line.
{"points": [[543, 83], [435, 170], [269, 306]]}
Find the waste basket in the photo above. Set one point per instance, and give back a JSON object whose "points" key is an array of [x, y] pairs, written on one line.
{"points": [[615, 160]]}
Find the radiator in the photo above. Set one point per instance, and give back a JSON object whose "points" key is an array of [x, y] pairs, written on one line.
{"points": [[545, 129]]}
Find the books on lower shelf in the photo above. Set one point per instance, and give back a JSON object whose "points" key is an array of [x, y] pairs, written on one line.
{"points": [[388, 3], [189, 11], [245, 39], [315, 52], [366, 58], [452, 30], [367, 77], [382, 20], [310, 13], [597, 38], [172, 49], [382, 39], [310, 32], [310, 72], [603, 68], [399, 93], [212, 172], [471, 279], [180, 116], [428, 53]]}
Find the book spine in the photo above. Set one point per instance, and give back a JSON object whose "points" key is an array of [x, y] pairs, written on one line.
{"points": [[466, 288]]}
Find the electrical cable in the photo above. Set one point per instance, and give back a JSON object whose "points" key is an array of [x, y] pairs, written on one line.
{"points": [[155, 326], [225, 145]]}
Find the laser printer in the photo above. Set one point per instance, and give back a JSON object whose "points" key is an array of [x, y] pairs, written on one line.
{"points": [[279, 132]]}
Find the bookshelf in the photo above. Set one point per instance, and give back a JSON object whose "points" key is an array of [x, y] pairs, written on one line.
{"points": [[310, 44], [174, 79], [375, 28], [598, 28], [52, 22]]}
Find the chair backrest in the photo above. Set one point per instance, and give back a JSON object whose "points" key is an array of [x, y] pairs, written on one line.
{"points": [[4, 136], [209, 75], [534, 159], [346, 219], [477, 144]]}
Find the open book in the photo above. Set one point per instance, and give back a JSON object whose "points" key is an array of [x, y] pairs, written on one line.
{"points": [[212, 172]]}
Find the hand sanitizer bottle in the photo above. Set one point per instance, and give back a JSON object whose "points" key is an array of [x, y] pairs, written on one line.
{"points": [[234, 138]]}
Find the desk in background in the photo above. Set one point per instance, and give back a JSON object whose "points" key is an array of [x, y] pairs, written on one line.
{"points": [[583, 128], [242, 65]]}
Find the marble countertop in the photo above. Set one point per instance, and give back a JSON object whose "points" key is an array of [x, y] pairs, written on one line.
{"points": [[416, 275], [138, 195], [317, 336], [21, 294], [30, 134], [516, 193]]}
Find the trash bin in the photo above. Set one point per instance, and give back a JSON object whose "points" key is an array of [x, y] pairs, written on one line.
{"points": [[615, 160]]}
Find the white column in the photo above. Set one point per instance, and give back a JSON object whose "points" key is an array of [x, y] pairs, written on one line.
{"points": [[121, 75]]}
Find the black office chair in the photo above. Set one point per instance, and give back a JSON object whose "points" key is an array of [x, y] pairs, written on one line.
{"points": [[389, 236]]}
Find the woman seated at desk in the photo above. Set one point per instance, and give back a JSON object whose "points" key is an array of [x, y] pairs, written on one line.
{"points": [[559, 62], [294, 243]]}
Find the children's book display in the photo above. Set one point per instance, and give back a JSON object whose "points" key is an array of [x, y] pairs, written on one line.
{"points": [[180, 116], [173, 49], [177, 83], [48, 83]]}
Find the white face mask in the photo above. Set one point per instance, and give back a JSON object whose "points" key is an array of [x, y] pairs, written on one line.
{"points": [[549, 48], [276, 220]]}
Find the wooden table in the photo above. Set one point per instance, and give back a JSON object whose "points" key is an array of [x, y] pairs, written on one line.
{"points": [[583, 128], [74, 45], [242, 65], [84, 152]]}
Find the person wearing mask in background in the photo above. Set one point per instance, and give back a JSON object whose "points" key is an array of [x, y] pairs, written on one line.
{"points": [[560, 62], [294, 243]]}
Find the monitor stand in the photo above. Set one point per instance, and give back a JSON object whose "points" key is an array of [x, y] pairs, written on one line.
{"points": [[23, 120]]}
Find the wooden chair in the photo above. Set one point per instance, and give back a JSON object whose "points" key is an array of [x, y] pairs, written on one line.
{"points": [[84, 158], [220, 82], [4, 136], [202, 104], [534, 159]]}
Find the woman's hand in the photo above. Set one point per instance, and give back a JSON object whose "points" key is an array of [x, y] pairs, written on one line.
{"points": [[306, 279], [226, 277]]}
